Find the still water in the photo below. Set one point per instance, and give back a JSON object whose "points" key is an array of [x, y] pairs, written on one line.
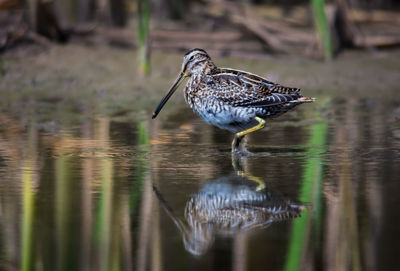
{"points": [[321, 192]]}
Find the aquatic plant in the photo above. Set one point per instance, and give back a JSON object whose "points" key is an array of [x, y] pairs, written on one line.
{"points": [[310, 192], [143, 30], [322, 28]]}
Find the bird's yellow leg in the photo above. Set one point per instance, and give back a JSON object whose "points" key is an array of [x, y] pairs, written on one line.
{"points": [[260, 125], [258, 180], [238, 164], [239, 136]]}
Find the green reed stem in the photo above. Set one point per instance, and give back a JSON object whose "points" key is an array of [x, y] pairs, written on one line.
{"points": [[143, 142], [28, 201], [63, 182], [310, 192], [27, 218], [105, 207], [322, 27], [143, 31]]}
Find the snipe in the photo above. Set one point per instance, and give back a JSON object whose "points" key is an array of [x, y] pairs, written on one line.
{"points": [[233, 100], [228, 206]]}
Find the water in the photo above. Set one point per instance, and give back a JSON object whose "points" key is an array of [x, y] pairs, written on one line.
{"points": [[321, 192], [89, 182]]}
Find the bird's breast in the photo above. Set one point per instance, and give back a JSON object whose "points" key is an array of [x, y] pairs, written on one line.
{"points": [[195, 92]]}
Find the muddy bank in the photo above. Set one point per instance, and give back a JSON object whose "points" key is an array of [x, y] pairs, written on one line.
{"points": [[67, 81]]}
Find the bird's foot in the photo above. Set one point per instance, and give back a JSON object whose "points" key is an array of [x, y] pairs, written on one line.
{"points": [[242, 152], [239, 147]]}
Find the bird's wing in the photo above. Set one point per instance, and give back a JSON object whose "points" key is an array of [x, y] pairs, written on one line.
{"points": [[241, 88]]}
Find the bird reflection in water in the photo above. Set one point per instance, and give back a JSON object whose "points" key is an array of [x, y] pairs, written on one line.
{"points": [[227, 206]]}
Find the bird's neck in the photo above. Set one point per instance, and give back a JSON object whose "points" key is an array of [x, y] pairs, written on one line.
{"points": [[195, 84], [201, 71], [209, 66]]}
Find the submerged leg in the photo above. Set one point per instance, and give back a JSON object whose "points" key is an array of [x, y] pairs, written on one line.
{"points": [[260, 183], [238, 145], [240, 135], [239, 164]]}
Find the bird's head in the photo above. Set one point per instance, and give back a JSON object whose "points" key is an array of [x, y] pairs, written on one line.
{"points": [[196, 61]]}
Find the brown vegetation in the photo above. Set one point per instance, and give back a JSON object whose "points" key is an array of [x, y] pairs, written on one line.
{"points": [[227, 27]]}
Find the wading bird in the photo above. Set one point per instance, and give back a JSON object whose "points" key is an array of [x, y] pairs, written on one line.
{"points": [[227, 206], [233, 100]]}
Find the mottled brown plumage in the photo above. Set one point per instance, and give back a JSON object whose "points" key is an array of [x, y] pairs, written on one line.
{"points": [[227, 206], [230, 99]]}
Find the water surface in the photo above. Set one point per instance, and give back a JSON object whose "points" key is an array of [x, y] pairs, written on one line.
{"points": [[89, 182], [321, 192]]}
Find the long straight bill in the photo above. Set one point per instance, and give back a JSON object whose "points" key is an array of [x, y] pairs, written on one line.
{"points": [[165, 99]]}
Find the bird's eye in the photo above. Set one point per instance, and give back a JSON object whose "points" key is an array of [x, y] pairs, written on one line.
{"points": [[191, 58]]}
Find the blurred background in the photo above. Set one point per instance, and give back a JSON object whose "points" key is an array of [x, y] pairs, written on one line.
{"points": [[314, 28], [89, 182]]}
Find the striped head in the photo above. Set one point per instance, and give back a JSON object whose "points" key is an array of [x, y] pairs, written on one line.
{"points": [[196, 61]]}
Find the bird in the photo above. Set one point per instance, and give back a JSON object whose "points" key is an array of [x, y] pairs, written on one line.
{"points": [[227, 206], [233, 100]]}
